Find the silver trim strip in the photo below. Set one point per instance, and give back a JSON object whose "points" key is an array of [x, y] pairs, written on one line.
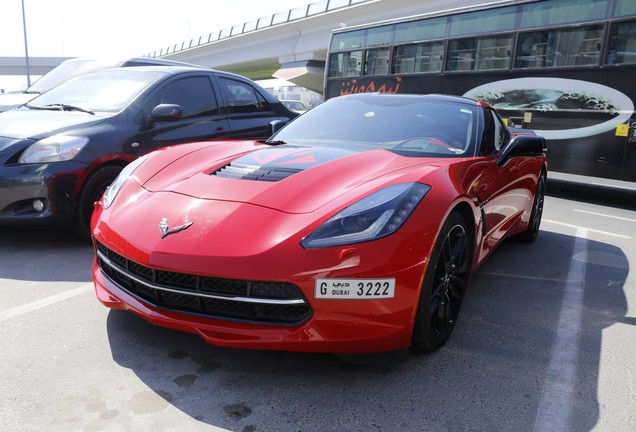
{"points": [[194, 293]]}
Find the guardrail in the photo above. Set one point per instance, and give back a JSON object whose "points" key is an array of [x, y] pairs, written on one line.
{"points": [[295, 14]]}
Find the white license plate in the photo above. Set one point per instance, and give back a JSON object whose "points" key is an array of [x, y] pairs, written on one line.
{"points": [[355, 288]]}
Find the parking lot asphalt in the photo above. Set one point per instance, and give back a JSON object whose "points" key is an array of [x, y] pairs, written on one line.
{"points": [[545, 341]]}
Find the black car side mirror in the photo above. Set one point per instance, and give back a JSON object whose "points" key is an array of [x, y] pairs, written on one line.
{"points": [[522, 145], [166, 112], [274, 126]]}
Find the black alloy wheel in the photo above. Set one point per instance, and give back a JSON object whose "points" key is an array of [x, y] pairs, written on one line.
{"points": [[534, 223], [444, 286]]}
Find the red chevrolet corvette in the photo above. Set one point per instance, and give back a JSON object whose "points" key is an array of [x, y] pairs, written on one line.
{"points": [[354, 229]]}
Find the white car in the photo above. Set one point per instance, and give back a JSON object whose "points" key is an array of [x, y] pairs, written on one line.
{"points": [[294, 105]]}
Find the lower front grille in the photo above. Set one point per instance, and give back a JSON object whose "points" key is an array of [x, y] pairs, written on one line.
{"points": [[256, 301]]}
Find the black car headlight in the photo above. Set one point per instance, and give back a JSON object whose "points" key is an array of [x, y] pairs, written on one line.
{"points": [[375, 216], [56, 148], [115, 186]]}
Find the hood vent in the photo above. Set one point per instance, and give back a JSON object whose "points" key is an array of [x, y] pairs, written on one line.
{"points": [[255, 172]]}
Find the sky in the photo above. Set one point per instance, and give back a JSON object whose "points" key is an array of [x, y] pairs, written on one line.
{"points": [[118, 28]]}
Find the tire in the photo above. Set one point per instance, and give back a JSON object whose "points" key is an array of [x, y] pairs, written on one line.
{"points": [[530, 234], [93, 190], [445, 283]]}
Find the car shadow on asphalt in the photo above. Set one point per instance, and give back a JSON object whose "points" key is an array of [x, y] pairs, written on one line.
{"points": [[491, 374], [527, 289]]}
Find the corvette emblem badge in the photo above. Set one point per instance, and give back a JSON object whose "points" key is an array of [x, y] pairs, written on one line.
{"points": [[165, 228]]}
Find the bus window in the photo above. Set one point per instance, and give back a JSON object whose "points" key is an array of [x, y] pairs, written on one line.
{"points": [[379, 36], [376, 62], [418, 58], [532, 49], [622, 43], [433, 28], [625, 8], [547, 13], [461, 55], [580, 46], [345, 64], [354, 39], [494, 52], [482, 22], [479, 53]]}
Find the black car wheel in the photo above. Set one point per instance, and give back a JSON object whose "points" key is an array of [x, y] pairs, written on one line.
{"points": [[531, 233], [93, 190], [444, 286]]}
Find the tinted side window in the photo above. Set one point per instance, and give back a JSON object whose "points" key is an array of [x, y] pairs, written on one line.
{"points": [[501, 132], [495, 134], [243, 98], [194, 95]]}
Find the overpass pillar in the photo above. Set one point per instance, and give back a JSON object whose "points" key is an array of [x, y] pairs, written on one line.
{"points": [[305, 73]]}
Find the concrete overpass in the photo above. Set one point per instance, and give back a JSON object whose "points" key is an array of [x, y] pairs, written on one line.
{"points": [[37, 65], [291, 45]]}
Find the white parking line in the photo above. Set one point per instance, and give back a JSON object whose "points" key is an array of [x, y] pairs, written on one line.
{"points": [[605, 215], [42, 303], [558, 388], [577, 227]]}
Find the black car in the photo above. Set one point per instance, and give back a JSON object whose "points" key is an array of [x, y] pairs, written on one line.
{"points": [[73, 68], [60, 151]]}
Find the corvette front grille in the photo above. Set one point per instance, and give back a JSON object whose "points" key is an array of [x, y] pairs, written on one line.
{"points": [[255, 301]]}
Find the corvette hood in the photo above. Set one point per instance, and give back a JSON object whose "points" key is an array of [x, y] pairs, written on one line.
{"points": [[293, 179], [21, 124]]}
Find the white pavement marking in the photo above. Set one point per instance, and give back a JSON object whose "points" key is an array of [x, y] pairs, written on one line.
{"points": [[605, 215], [577, 227], [554, 407], [47, 301]]}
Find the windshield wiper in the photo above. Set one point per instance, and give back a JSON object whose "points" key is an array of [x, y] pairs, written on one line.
{"points": [[65, 107], [59, 107]]}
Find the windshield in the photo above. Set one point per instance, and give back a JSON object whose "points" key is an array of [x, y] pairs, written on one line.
{"points": [[105, 91], [294, 105], [67, 70], [409, 125]]}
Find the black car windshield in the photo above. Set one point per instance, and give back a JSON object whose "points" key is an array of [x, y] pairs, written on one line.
{"points": [[407, 124], [70, 69], [104, 91]]}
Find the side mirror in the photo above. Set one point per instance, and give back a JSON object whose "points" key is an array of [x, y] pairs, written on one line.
{"points": [[522, 145], [166, 112], [274, 126]]}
